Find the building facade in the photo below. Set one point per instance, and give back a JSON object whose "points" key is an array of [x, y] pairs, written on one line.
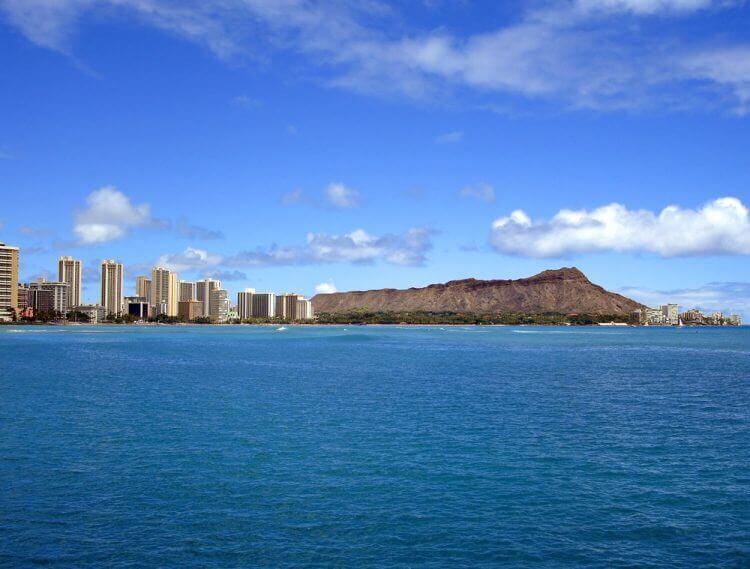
{"points": [[188, 291], [670, 314], [111, 290], [245, 303], [143, 287], [218, 305], [189, 310], [203, 293], [49, 296], [264, 305], [70, 270], [95, 312], [165, 294], [8, 281]]}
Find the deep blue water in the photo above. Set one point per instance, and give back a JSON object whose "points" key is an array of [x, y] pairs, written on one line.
{"points": [[374, 446]]}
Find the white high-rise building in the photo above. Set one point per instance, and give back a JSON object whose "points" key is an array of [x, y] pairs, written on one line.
{"points": [[70, 270], [218, 305], [671, 314], [188, 291], [165, 293], [8, 281], [245, 303], [203, 293], [111, 297]]}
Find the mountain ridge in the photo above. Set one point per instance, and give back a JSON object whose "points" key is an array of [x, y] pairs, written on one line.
{"points": [[565, 290]]}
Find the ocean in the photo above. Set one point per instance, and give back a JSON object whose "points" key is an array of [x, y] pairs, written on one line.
{"points": [[237, 446]]}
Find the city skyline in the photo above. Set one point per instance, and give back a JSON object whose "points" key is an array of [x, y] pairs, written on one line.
{"points": [[266, 163]]}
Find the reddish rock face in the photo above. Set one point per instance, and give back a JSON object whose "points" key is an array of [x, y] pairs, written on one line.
{"points": [[564, 290]]}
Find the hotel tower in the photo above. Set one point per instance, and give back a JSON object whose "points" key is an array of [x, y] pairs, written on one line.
{"points": [[165, 292], [111, 298], [69, 271], [8, 281]]}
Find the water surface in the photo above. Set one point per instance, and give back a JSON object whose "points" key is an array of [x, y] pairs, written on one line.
{"points": [[372, 446]]}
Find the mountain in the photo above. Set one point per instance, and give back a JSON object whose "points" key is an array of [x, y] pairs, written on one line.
{"points": [[565, 290]]}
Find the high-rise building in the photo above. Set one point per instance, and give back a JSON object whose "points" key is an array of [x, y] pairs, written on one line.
{"points": [[304, 309], [49, 296], [8, 281], [165, 294], [264, 305], [69, 270], [245, 303], [218, 305], [671, 314], [188, 291], [203, 293], [293, 307], [143, 287], [111, 297]]}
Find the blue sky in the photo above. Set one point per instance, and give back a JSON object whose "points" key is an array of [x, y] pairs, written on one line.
{"points": [[287, 145]]}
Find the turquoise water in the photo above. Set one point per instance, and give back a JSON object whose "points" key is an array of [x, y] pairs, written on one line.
{"points": [[374, 446]]}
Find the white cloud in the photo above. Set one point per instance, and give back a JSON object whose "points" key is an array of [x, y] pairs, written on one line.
{"points": [[579, 53], [108, 215], [720, 227], [482, 191], [189, 259], [450, 137], [339, 196], [325, 288]]}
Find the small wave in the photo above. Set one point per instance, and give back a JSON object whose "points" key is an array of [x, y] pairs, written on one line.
{"points": [[281, 328]]}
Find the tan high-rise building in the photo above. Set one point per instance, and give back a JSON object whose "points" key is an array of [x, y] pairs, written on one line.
{"points": [[203, 293], [8, 281], [111, 297], [188, 291], [143, 287], [69, 270], [165, 294]]}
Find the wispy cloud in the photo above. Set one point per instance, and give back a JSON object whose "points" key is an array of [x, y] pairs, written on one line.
{"points": [[247, 102], [358, 247], [482, 192], [188, 231], [577, 53], [292, 197], [720, 227], [340, 196], [450, 137], [226, 275]]}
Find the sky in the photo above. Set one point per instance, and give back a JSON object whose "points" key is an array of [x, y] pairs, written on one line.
{"points": [[302, 146]]}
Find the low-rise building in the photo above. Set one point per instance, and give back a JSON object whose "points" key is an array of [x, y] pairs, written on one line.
{"points": [[96, 313], [136, 307], [189, 310]]}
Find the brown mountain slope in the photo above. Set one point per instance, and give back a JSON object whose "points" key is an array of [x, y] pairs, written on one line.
{"points": [[563, 290]]}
